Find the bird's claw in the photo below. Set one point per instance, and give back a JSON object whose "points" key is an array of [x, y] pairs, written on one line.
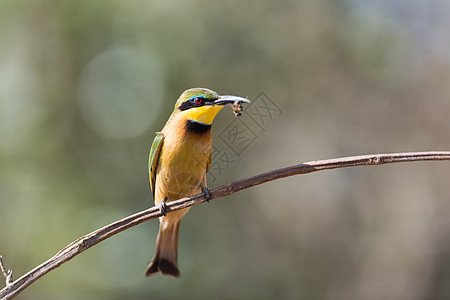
{"points": [[207, 194], [163, 207]]}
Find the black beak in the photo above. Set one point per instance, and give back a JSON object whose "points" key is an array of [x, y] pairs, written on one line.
{"points": [[228, 99]]}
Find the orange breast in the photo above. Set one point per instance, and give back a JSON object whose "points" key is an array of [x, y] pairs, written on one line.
{"points": [[181, 171]]}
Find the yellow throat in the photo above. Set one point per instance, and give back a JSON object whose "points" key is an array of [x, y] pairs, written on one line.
{"points": [[202, 114]]}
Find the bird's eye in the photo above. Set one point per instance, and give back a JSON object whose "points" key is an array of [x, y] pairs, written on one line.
{"points": [[198, 100]]}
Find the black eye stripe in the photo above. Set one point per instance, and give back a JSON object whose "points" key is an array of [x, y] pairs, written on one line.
{"points": [[194, 102], [186, 105]]}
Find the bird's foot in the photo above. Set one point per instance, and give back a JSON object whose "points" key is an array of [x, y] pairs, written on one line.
{"points": [[207, 194], [163, 207]]}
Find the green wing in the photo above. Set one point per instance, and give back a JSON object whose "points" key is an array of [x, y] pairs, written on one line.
{"points": [[153, 159]]}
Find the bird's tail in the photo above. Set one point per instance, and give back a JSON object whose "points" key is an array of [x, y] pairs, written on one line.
{"points": [[165, 258]]}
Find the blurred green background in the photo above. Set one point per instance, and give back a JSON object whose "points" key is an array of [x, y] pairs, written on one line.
{"points": [[85, 84]]}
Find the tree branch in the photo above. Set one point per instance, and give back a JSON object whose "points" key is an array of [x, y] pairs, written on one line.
{"points": [[7, 274], [91, 239]]}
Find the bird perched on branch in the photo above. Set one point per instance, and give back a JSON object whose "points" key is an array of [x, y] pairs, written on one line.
{"points": [[179, 159]]}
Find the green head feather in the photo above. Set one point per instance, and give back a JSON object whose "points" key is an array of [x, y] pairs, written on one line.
{"points": [[196, 92]]}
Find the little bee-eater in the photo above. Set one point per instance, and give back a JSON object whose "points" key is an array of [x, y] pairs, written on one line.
{"points": [[179, 159]]}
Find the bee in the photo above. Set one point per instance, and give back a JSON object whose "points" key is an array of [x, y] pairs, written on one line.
{"points": [[237, 108]]}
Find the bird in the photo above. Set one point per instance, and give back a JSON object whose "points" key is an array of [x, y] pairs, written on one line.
{"points": [[180, 157]]}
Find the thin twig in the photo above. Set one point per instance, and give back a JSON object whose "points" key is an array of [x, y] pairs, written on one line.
{"points": [[7, 274], [107, 231]]}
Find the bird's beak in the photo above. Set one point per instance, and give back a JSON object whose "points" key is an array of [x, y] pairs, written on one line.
{"points": [[228, 99]]}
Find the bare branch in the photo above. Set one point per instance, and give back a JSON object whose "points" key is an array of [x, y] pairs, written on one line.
{"points": [[107, 231], [7, 274]]}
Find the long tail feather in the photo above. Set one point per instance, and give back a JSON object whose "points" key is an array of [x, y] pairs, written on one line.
{"points": [[165, 258]]}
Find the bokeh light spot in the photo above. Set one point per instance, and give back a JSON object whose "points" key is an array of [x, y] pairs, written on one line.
{"points": [[120, 92]]}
